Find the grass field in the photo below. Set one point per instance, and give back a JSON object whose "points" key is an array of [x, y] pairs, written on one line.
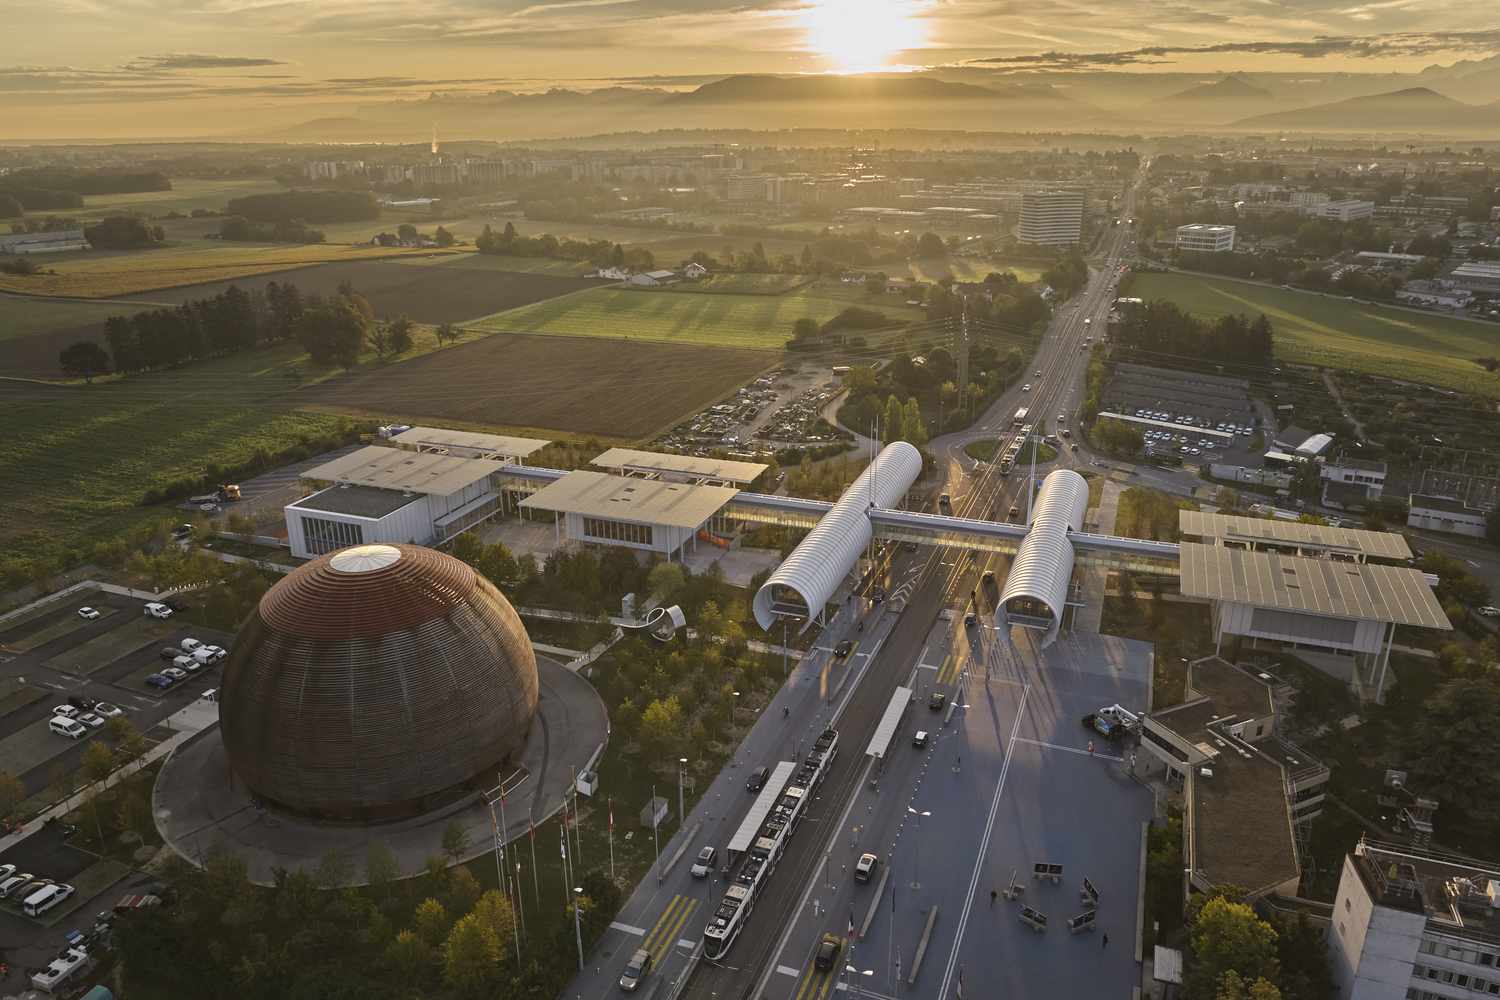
{"points": [[23, 316], [92, 275], [970, 269], [759, 322], [742, 284], [583, 385], [1335, 332], [186, 195]]}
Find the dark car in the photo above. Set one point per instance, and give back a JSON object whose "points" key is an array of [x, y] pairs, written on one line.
{"points": [[169, 653], [160, 681], [843, 649], [937, 701], [828, 950], [758, 779], [877, 596], [971, 619], [82, 703]]}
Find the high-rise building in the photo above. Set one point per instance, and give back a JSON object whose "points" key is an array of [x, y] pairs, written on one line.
{"points": [[1412, 924], [1051, 218]]}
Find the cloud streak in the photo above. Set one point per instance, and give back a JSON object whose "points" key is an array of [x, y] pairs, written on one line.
{"points": [[1399, 44], [185, 60]]}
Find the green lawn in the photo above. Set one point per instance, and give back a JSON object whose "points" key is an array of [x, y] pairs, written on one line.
{"points": [[23, 316], [762, 322], [970, 269], [1332, 331], [186, 195]]}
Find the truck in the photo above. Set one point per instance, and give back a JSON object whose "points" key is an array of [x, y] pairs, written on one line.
{"points": [[1019, 418], [224, 494]]}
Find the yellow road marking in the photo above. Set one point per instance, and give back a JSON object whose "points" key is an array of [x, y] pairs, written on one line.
{"points": [[660, 934]]}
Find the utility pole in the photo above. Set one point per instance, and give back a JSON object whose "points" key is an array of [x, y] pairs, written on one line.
{"points": [[961, 349]]}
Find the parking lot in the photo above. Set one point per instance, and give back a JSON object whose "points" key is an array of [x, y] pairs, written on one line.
{"points": [[51, 654], [779, 409], [1193, 416]]}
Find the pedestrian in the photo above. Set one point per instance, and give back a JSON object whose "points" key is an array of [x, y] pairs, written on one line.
{"points": [[993, 894], [1091, 748], [1104, 941], [785, 711]]}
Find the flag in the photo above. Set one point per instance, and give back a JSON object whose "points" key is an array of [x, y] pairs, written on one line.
{"points": [[531, 829], [960, 994], [611, 815], [850, 934]]}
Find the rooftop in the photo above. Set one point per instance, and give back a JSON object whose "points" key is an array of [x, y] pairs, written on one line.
{"points": [[482, 445], [1265, 531], [1335, 588], [642, 501], [1204, 227], [398, 469], [1242, 825], [1362, 464], [1235, 691], [1452, 891], [356, 501], [1452, 505], [632, 460]]}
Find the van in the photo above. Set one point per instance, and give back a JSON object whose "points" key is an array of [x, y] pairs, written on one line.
{"points": [[64, 726], [188, 645], [45, 899], [156, 610]]}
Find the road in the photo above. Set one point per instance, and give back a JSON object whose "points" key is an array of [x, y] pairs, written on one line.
{"points": [[669, 916]]}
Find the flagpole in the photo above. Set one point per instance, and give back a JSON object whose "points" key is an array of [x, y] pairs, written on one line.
{"points": [[536, 889], [515, 885], [577, 833], [611, 839]]}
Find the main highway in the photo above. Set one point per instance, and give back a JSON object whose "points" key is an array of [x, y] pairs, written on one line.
{"points": [[891, 642]]}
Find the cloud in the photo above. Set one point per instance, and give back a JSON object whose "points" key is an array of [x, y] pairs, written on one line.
{"points": [[185, 60], [1349, 46]]}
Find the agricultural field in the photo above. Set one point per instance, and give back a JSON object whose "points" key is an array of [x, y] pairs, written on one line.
{"points": [[743, 284], [758, 322], [970, 269], [22, 316], [94, 275], [186, 195], [583, 385], [1336, 332]]}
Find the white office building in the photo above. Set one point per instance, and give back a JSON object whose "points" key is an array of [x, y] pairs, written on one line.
{"points": [[1202, 238], [1412, 924], [1348, 210], [1448, 514], [1051, 218]]}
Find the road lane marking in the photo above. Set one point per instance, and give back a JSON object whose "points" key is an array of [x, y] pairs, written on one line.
{"points": [[659, 932], [1080, 752], [787, 970], [685, 943], [628, 929]]}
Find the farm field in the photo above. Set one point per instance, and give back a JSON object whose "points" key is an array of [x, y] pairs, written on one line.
{"points": [[970, 269], [497, 262], [1335, 332], [104, 275], [742, 284], [758, 322], [186, 195], [426, 288], [22, 316], [586, 385]]}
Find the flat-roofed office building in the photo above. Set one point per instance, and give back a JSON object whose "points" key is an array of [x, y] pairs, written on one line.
{"points": [[1051, 218]]}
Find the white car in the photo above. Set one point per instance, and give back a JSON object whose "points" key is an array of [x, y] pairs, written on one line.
{"points": [[187, 664], [65, 712], [13, 883], [88, 614], [175, 673], [108, 710], [1026, 387], [189, 644], [156, 610], [70, 728], [6, 871], [1490, 611], [91, 720], [704, 864]]}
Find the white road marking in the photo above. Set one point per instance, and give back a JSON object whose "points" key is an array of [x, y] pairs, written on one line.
{"points": [[685, 943], [930, 666], [787, 970], [628, 929]]}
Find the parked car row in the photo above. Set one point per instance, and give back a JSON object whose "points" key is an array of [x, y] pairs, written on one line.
{"points": [[37, 895], [79, 715], [186, 658]]}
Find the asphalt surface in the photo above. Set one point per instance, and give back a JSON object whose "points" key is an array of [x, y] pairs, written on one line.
{"points": [[667, 913]]}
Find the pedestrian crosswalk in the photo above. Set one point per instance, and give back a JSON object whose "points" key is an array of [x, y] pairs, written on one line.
{"points": [[670, 924]]}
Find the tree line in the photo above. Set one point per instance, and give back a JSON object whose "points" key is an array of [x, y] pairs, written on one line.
{"points": [[600, 253], [43, 188], [1160, 328], [309, 206], [240, 229]]}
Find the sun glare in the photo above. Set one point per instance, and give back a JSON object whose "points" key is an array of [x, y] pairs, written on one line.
{"points": [[860, 36]]}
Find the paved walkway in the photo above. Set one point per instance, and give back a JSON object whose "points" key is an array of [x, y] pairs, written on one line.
{"points": [[199, 804], [1090, 617]]}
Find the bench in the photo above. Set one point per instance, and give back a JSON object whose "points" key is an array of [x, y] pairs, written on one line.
{"points": [[1034, 919], [1043, 870], [1083, 922]]}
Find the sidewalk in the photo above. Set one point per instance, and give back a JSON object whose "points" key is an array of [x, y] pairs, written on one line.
{"points": [[186, 722]]}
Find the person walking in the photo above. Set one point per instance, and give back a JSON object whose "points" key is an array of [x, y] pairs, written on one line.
{"points": [[1104, 941], [993, 894]]}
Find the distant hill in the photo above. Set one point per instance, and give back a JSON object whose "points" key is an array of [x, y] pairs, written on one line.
{"points": [[1415, 108], [1231, 88], [762, 89]]}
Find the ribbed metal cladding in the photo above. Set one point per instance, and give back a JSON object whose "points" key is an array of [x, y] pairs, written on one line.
{"points": [[815, 567], [1044, 562], [377, 694]]}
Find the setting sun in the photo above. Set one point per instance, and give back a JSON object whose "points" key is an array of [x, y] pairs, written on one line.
{"points": [[858, 36]]}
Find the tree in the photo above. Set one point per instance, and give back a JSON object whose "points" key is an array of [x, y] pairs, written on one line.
{"points": [[430, 921], [98, 762], [894, 420], [400, 333], [407, 233], [805, 328], [1233, 987], [443, 237], [332, 332], [1492, 527], [379, 339], [495, 911], [913, 427], [661, 725], [931, 246], [12, 794], [463, 890], [446, 331], [455, 841], [1226, 937], [409, 957], [83, 357], [1303, 952], [381, 866], [1445, 750], [471, 956], [666, 581], [123, 232]]}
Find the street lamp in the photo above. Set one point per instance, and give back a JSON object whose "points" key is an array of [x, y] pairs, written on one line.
{"points": [[577, 927], [850, 970], [681, 816], [916, 871]]}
